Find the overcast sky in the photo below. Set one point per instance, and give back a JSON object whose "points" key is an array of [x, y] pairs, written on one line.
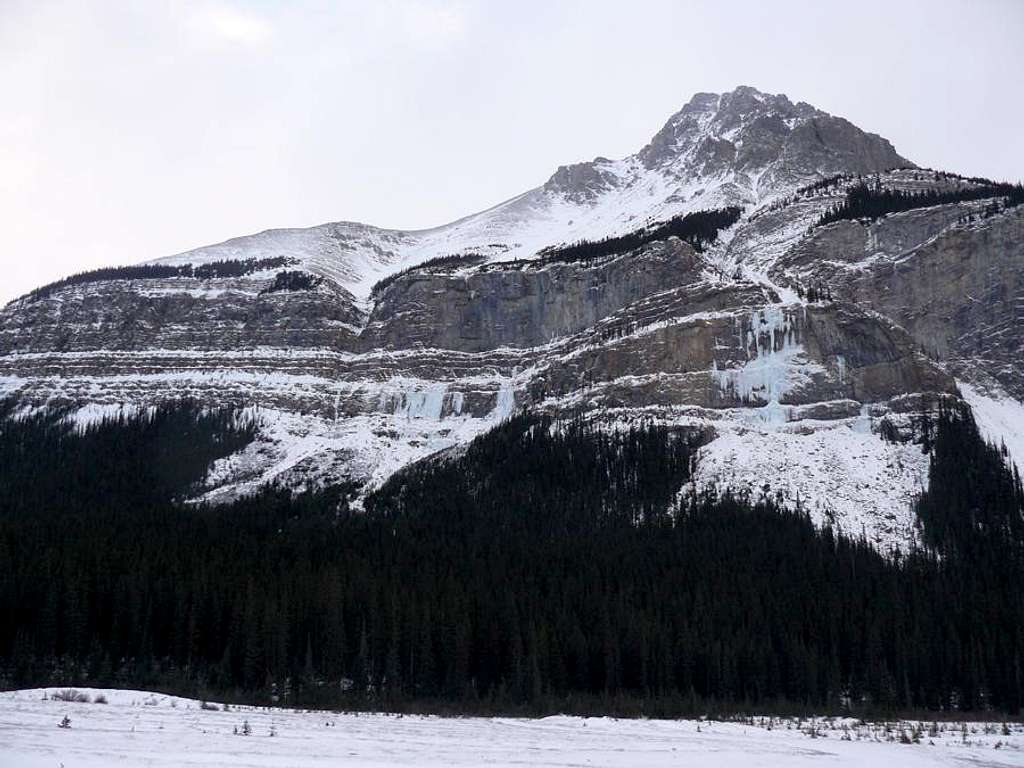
{"points": [[131, 130]]}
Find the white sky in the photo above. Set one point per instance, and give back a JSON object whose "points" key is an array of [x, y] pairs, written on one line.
{"points": [[131, 130]]}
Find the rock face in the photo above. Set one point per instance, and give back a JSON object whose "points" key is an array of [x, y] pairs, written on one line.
{"points": [[181, 314], [957, 287], [791, 393], [756, 133], [524, 305]]}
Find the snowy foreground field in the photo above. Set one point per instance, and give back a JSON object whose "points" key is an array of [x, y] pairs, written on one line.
{"points": [[135, 728]]}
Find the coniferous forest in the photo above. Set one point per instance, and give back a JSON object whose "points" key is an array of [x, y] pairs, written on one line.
{"points": [[545, 568], [208, 271], [699, 228], [872, 202]]}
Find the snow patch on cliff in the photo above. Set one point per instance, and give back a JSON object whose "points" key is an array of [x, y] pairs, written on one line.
{"points": [[843, 474], [999, 417]]}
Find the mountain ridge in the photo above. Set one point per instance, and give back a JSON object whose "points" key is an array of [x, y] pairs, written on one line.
{"points": [[525, 223], [801, 353]]}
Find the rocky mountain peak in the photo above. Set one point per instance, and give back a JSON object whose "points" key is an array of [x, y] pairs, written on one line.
{"points": [[583, 182], [752, 142], [712, 117]]}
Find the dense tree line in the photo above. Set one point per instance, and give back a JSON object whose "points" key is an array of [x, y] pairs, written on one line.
{"points": [[546, 567], [213, 269], [807, 190], [700, 229], [826, 182], [156, 455], [973, 508], [865, 201], [292, 280], [438, 263]]}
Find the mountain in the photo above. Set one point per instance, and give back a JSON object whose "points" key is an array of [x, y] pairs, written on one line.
{"points": [[761, 276], [742, 148]]}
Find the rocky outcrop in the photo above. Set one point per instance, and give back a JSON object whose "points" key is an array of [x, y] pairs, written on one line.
{"points": [[654, 326], [751, 131], [742, 355], [181, 314], [656, 332], [956, 286], [583, 182], [522, 305]]}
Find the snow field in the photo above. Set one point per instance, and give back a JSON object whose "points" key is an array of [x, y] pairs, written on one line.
{"points": [[999, 417], [136, 728]]}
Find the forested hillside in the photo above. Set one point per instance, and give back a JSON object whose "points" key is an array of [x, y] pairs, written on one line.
{"points": [[548, 567], [699, 228], [208, 271], [865, 201]]}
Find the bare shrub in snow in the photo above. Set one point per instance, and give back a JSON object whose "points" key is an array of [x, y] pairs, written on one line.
{"points": [[70, 694]]}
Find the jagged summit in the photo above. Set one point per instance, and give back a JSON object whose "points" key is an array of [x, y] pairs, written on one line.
{"points": [[724, 117], [759, 141], [762, 143]]}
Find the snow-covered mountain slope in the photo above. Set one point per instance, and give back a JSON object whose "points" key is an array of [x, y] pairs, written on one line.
{"points": [[742, 148], [802, 353]]}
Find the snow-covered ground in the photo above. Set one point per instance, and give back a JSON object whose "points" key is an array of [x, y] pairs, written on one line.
{"points": [[841, 472], [136, 728], [1000, 418]]}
